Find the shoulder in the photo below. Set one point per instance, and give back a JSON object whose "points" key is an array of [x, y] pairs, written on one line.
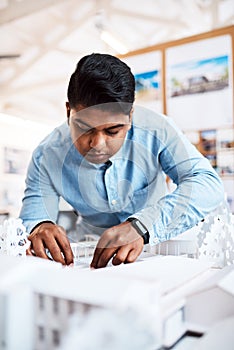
{"points": [[58, 140], [58, 136], [149, 123], [149, 120]]}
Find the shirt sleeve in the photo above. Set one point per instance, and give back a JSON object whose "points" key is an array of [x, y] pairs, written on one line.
{"points": [[40, 202], [199, 189]]}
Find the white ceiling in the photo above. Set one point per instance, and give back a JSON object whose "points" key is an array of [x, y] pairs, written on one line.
{"points": [[50, 36]]}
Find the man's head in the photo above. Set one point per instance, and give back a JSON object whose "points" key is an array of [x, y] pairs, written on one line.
{"points": [[100, 79], [101, 93]]}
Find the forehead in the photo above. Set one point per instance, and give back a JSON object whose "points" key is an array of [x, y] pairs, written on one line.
{"points": [[95, 117]]}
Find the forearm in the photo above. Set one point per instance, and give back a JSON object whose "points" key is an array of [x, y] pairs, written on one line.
{"points": [[194, 198], [199, 188], [38, 209], [40, 202]]}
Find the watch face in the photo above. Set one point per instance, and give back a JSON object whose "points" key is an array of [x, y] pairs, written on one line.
{"points": [[140, 228]]}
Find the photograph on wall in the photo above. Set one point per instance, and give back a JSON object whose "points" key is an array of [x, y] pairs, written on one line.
{"points": [[207, 145], [15, 161], [226, 162], [147, 72], [201, 76], [225, 152], [199, 83], [225, 139], [229, 191], [147, 86], [208, 141]]}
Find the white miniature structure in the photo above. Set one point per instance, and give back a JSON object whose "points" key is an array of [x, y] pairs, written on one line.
{"points": [[13, 238], [214, 300], [210, 240], [46, 306], [39, 298]]}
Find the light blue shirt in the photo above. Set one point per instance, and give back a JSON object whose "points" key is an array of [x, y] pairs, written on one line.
{"points": [[132, 183]]}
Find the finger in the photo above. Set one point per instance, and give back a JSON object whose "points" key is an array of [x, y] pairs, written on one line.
{"points": [[65, 248], [54, 250], [132, 256], [120, 256], [106, 248], [96, 255], [39, 249], [103, 257], [29, 252], [56, 254], [101, 245]]}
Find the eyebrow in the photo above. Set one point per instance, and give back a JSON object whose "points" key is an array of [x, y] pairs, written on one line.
{"points": [[115, 126], [91, 127]]}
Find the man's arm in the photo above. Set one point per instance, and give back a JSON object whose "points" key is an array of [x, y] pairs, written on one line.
{"points": [[199, 191], [39, 213]]}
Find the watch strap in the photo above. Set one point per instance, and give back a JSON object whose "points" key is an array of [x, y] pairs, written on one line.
{"points": [[140, 228]]}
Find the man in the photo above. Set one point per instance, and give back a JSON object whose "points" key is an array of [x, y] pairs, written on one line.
{"points": [[109, 163]]}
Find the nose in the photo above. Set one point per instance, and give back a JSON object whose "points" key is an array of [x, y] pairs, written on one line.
{"points": [[97, 140]]}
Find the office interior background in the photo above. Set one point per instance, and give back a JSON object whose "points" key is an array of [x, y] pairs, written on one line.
{"points": [[181, 53]]}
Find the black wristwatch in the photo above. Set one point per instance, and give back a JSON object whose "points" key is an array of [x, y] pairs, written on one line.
{"points": [[141, 229]]}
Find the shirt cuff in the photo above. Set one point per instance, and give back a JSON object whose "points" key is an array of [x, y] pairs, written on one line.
{"points": [[31, 225]]}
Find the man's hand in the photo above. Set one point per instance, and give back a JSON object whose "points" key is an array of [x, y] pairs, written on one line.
{"points": [[122, 243], [54, 238]]}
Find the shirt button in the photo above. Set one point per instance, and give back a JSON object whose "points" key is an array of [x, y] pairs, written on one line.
{"points": [[108, 171], [114, 201]]}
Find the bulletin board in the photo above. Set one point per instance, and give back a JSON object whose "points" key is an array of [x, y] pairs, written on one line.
{"points": [[191, 71], [195, 87]]}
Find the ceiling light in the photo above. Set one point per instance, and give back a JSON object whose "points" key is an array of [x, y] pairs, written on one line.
{"points": [[110, 40]]}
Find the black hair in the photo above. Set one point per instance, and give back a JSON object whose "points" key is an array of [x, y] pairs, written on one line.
{"points": [[101, 79]]}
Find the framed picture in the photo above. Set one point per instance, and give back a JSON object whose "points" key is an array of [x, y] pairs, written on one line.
{"points": [[199, 83], [146, 68], [225, 152], [15, 161]]}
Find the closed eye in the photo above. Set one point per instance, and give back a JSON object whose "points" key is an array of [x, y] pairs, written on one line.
{"points": [[82, 127], [112, 132]]}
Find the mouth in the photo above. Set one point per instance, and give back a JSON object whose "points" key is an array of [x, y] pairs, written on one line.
{"points": [[97, 157]]}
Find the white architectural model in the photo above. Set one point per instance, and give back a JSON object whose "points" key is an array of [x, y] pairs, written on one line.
{"points": [[46, 306], [152, 302]]}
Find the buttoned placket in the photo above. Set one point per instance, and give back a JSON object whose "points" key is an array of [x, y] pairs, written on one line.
{"points": [[111, 182]]}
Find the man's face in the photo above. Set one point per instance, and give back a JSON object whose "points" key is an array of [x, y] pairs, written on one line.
{"points": [[98, 134]]}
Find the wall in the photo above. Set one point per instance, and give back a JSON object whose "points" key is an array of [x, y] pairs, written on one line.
{"points": [[18, 138]]}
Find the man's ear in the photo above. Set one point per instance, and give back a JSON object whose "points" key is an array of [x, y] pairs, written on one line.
{"points": [[68, 111]]}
